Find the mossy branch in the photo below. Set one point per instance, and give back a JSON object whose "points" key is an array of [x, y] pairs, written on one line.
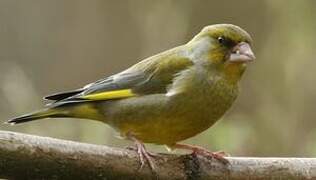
{"points": [[25, 156]]}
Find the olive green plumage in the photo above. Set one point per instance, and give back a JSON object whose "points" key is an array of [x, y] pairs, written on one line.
{"points": [[168, 97]]}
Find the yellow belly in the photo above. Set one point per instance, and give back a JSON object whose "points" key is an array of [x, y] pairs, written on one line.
{"points": [[165, 131]]}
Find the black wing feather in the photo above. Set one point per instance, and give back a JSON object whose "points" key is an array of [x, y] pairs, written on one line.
{"points": [[63, 95]]}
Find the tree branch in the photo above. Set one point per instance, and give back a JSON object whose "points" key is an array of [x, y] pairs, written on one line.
{"points": [[31, 157]]}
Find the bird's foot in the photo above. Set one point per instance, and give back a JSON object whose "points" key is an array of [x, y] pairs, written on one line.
{"points": [[222, 153], [220, 156], [143, 154], [134, 148]]}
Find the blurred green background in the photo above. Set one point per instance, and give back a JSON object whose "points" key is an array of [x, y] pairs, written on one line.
{"points": [[49, 46]]}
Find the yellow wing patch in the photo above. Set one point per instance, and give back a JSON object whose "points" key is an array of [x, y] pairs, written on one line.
{"points": [[117, 94]]}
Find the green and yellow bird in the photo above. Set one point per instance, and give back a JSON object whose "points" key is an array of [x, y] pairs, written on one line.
{"points": [[166, 98]]}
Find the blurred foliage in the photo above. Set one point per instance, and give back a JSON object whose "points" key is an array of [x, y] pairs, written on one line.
{"points": [[48, 46]]}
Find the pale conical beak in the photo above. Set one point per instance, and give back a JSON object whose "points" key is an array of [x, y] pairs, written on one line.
{"points": [[242, 53]]}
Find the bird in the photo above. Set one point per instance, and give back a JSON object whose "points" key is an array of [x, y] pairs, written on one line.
{"points": [[166, 98]]}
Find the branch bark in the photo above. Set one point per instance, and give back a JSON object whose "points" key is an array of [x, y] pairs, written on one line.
{"points": [[25, 156]]}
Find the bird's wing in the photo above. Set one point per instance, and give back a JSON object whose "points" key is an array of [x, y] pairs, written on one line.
{"points": [[150, 76]]}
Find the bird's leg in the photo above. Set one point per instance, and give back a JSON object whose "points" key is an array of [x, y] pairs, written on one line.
{"points": [[202, 151], [143, 154]]}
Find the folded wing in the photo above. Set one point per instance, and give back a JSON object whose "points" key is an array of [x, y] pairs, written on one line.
{"points": [[150, 76]]}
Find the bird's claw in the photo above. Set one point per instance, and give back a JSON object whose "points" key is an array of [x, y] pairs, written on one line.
{"points": [[143, 154], [220, 156], [222, 153]]}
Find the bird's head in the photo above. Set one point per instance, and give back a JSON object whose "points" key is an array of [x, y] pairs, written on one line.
{"points": [[225, 45]]}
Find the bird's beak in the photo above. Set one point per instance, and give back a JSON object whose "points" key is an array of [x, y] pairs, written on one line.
{"points": [[242, 53]]}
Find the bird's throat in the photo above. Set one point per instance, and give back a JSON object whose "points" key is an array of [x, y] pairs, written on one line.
{"points": [[234, 71]]}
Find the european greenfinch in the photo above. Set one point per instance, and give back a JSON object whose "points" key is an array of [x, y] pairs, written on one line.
{"points": [[166, 98]]}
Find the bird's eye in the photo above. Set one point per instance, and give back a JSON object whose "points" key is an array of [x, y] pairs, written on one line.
{"points": [[225, 42], [221, 40]]}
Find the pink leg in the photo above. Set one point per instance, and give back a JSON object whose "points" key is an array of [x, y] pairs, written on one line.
{"points": [[202, 151], [142, 153]]}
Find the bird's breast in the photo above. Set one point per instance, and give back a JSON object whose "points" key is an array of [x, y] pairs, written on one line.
{"points": [[207, 102], [197, 109]]}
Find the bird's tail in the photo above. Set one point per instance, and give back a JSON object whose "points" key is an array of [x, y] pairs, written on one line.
{"points": [[41, 114], [84, 110]]}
